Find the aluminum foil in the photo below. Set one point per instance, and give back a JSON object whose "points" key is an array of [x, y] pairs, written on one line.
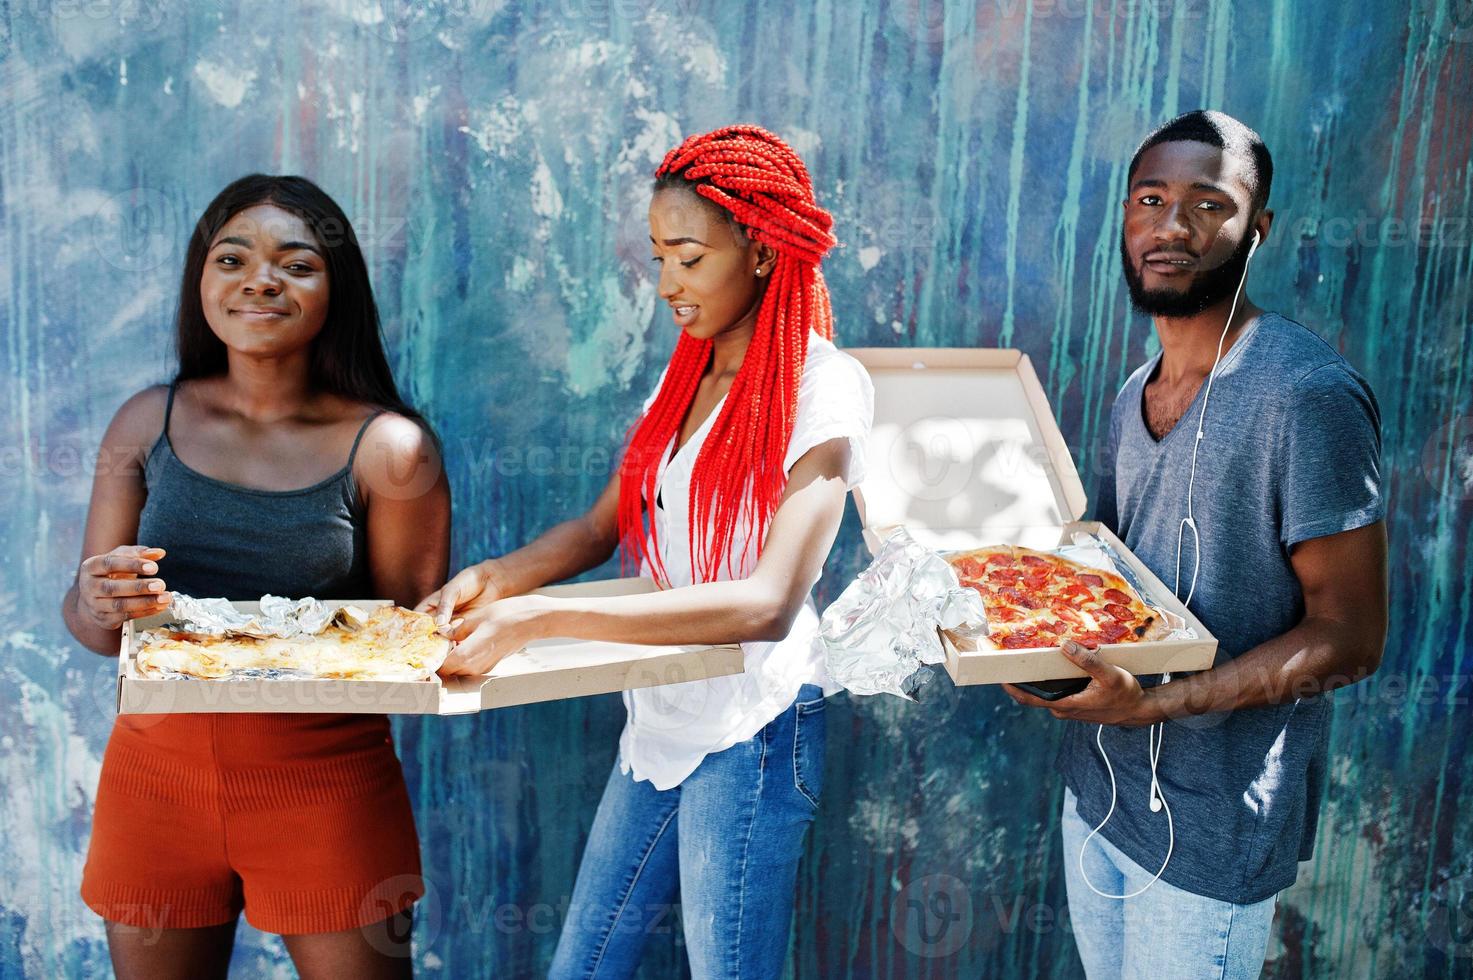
{"points": [[278, 618], [880, 632]]}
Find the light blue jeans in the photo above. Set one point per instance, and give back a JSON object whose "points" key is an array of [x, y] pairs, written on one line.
{"points": [[1165, 933], [728, 839]]}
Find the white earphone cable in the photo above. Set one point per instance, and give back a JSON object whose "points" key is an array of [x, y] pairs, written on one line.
{"points": [[1156, 734]]}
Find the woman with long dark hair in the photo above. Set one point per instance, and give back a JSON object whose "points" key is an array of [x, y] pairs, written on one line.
{"points": [[729, 495], [280, 460]]}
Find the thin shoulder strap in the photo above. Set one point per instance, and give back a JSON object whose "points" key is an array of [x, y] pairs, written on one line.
{"points": [[169, 407], [353, 454]]}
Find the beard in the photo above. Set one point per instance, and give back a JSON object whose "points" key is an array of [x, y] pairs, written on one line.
{"points": [[1207, 288]]}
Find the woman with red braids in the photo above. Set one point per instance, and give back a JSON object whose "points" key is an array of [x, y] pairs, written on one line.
{"points": [[729, 495]]}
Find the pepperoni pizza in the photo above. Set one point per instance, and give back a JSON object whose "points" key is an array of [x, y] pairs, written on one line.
{"points": [[1036, 599]]}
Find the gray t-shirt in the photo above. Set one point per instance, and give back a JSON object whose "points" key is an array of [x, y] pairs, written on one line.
{"points": [[1291, 451]]}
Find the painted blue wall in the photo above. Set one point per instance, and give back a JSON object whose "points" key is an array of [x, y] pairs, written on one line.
{"points": [[494, 157]]}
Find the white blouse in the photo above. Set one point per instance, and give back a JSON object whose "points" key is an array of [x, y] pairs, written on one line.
{"points": [[670, 729]]}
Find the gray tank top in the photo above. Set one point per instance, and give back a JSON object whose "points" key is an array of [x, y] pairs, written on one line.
{"points": [[240, 543]]}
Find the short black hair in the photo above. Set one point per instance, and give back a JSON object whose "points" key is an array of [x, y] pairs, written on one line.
{"points": [[1224, 132]]}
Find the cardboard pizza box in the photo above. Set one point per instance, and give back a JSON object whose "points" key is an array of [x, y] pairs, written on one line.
{"points": [[547, 670], [965, 453]]}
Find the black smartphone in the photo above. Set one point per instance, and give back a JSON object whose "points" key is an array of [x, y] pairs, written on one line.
{"points": [[1055, 690]]}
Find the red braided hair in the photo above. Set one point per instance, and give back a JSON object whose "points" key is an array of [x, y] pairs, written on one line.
{"points": [[738, 476]]}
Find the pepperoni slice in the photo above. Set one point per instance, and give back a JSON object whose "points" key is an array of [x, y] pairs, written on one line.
{"points": [[970, 567], [1003, 614], [1018, 598], [1004, 576], [1115, 595], [1076, 593], [1117, 611], [1019, 641], [1094, 580], [1112, 631], [1035, 561], [1068, 615]]}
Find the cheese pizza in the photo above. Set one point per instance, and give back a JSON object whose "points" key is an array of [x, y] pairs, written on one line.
{"points": [[1037, 599], [391, 644]]}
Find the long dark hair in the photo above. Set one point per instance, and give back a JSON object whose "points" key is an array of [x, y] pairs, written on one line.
{"points": [[348, 356]]}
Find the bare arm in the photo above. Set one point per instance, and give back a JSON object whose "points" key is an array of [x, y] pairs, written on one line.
{"points": [[760, 607], [564, 550], [1338, 641], [112, 583], [402, 480], [560, 552]]}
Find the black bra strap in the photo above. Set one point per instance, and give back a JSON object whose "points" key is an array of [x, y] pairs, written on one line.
{"points": [[169, 407], [353, 454]]}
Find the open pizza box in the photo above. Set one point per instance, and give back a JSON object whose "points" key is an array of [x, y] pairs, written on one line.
{"points": [[965, 453], [547, 670]]}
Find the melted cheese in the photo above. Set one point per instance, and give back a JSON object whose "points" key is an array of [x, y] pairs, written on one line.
{"points": [[395, 644]]}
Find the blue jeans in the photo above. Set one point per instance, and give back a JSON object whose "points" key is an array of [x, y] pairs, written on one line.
{"points": [[1163, 934], [727, 840]]}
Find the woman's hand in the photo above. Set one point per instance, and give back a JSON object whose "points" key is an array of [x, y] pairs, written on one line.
{"points": [[471, 588], [491, 631], [112, 589]]}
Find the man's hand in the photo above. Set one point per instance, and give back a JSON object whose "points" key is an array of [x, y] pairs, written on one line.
{"points": [[1113, 697]]}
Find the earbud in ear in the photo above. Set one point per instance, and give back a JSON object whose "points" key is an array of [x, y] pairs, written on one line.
{"points": [[1255, 238]]}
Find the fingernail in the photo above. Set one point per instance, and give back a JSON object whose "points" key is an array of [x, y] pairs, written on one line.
{"points": [[149, 568], [155, 586]]}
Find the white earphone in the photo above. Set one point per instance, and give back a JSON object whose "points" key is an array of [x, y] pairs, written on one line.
{"points": [[1156, 735]]}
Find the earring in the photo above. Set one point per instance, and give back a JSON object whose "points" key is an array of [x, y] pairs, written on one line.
{"points": [[759, 272]]}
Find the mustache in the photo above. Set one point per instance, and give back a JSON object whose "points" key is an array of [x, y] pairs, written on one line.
{"points": [[1206, 287]]}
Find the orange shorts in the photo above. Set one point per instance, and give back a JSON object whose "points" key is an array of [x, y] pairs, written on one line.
{"points": [[302, 821]]}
